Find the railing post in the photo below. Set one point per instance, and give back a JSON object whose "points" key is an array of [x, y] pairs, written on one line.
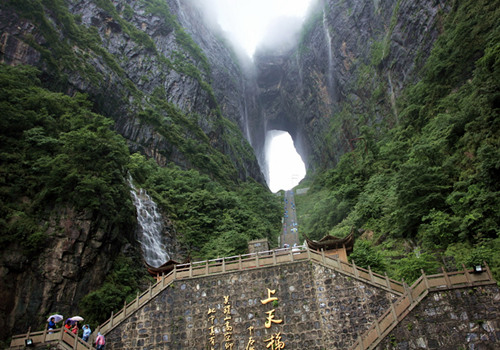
{"points": [[150, 291], [111, 320], [323, 255], [257, 259], [240, 265], [137, 297], [377, 327], [447, 279], [488, 271], [355, 269], [394, 315], [223, 264], [190, 270], [93, 335], [308, 253], [407, 290], [274, 258], [124, 308], [206, 268], [388, 283], [75, 344], [370, 273], [424, 277], [361, 346], [162, 280], [467, 276], [175, 272], [62, 329], [44, 334]]}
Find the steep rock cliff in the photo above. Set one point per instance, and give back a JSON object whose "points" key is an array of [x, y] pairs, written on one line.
{"points": [[75, 262], [351, 63], [121, 53]]}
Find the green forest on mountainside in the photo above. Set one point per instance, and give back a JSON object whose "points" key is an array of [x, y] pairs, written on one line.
{"points": [[55, 152], [429, 188], [82, 45]]}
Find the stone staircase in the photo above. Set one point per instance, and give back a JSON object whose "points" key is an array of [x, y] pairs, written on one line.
{"points": [[59, 338], [413, 295]]}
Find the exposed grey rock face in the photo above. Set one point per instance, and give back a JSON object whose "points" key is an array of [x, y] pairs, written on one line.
{"points": [[354, 56], [76, 262], [150, 56]]}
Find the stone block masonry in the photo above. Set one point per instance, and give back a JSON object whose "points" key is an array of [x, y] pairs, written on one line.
{"points": [[456, 319], [347, 306], [299, 305]]}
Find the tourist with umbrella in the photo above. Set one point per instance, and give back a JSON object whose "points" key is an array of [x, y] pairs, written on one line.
{"points": [[68, 324], [52, 320]]}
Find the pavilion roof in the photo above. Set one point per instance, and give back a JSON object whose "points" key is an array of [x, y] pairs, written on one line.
{"points": [[331, 242], [165, 268]]}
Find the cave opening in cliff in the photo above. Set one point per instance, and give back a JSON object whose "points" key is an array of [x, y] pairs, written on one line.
{"points": [[285, 167]]}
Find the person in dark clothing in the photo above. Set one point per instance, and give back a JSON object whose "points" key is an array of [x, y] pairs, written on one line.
{"points": [[52, 323]]}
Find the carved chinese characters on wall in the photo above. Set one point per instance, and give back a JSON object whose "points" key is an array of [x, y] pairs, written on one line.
{"points": [[272, 341]]}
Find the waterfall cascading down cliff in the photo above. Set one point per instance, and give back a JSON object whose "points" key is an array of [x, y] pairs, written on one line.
{"points": [[150, 227], [328, 39]]}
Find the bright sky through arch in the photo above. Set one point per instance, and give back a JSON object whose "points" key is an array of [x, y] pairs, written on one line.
{"points": [[247, 20], [285, 165]]}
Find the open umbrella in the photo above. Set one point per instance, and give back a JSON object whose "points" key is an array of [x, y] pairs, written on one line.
{"points": [[76, 318], [57, 318]]}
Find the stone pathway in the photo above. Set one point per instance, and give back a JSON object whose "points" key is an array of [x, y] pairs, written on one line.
{"points": [[290, 230]]}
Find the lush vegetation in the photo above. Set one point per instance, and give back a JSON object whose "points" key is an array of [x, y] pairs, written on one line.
{"points": [[55, 152], [212, 220], [428, 188], [122, 284]]}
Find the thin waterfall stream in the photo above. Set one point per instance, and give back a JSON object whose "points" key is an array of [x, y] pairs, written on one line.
{"points": [[150, 227], [328, 39]]}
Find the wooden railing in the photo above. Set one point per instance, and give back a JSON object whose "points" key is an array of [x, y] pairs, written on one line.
{"points": [[368, 276], [65, 338], [248, 261], [412, 297], [238, 263]]}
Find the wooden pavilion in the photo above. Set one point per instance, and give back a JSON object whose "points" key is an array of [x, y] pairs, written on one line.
{"points": [[338, 248]]}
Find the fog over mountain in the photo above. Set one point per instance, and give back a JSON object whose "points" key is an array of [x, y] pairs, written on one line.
{"points": [[249, 24]]}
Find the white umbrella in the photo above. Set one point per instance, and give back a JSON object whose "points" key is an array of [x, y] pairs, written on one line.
{"points": [[76, 318], [57, 318]]}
